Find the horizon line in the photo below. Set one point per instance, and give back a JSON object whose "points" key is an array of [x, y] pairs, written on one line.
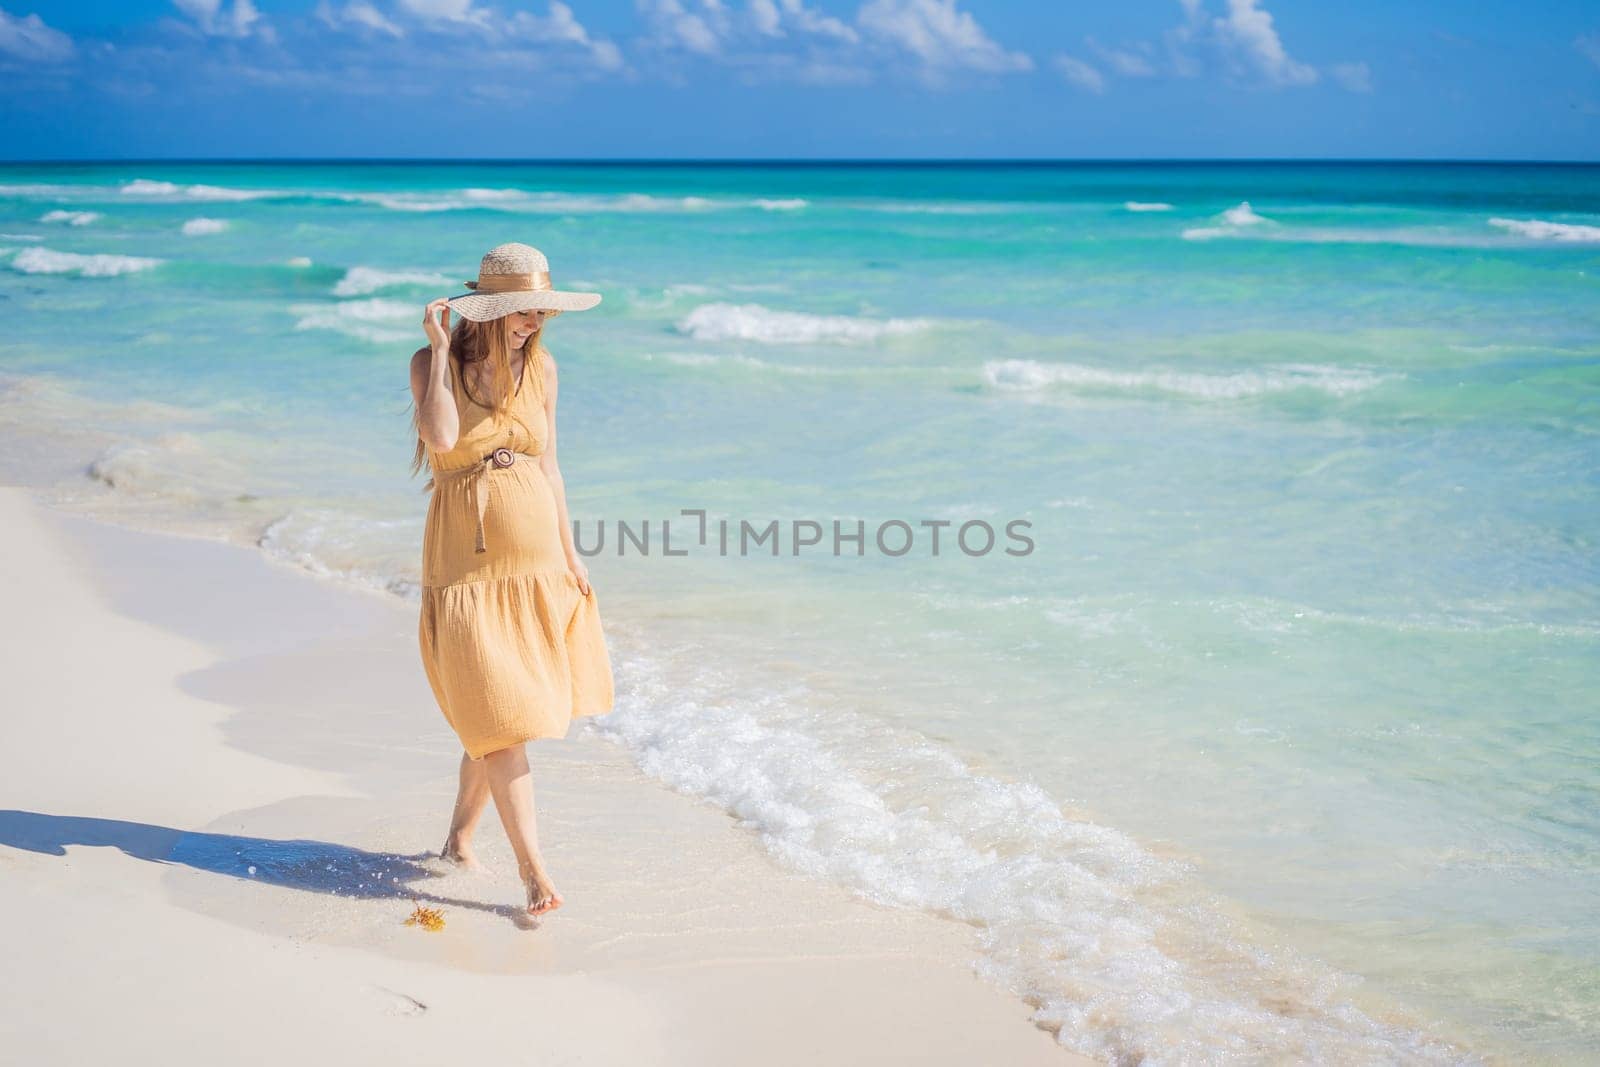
{"points": [[820, 161]]}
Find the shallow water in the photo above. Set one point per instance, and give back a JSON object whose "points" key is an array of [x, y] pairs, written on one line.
{"points": [[1283, 735]]}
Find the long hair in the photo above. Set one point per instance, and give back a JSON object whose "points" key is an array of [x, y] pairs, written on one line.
{"points": [[476, 342]]}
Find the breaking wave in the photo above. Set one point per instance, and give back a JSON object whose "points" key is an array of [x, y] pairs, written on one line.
{"points": [[764, 325], [1026, 375], [89, 265]]}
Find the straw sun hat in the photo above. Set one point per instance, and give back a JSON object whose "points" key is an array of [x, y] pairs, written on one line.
{"points": [[516, 277]]}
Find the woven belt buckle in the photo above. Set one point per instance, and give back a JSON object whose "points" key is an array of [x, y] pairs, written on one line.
{"points": [[503, 457]]}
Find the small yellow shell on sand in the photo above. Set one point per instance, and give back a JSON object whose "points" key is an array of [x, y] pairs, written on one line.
{"points": [[427, 918]]}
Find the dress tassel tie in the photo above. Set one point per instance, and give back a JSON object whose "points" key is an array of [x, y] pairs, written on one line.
{"points": [[499, 459]]}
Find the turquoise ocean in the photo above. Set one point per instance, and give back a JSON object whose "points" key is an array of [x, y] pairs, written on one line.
{"points": [[1281, 744]]}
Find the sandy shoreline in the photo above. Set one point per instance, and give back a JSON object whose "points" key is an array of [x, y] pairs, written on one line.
{"points": [[223, 778]]}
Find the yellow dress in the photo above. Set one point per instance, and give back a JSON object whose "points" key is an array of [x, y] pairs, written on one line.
{"points": [[512, 650]]}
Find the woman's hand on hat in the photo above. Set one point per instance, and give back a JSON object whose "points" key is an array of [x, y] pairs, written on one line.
{"points": [[438, 331]]}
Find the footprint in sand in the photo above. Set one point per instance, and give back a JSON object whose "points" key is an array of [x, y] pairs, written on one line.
{"points": [[394, 1003]]}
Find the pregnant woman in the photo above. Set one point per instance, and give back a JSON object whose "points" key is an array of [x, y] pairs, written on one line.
{"points": [[510, 627]]}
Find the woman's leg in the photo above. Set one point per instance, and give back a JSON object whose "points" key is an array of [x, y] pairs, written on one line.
{"points": [[512, 787], [472, 796]]}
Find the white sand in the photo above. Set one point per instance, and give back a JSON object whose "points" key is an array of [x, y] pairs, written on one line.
{"points": [[179, 711]]}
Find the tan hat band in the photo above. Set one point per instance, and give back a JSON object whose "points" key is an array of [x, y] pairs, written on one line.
{"points": [[511, 283]]}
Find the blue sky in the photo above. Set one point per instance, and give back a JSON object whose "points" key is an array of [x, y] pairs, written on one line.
{"points": [[799, 79]]}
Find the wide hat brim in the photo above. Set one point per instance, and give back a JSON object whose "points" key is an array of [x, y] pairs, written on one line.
{"points": [[482, 307]]}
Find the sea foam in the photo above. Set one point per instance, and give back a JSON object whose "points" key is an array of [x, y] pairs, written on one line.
{"points": [[360, 281], [144, 187], [374, 552], [1241, 215], [1119, 952], [754, 322], [377, 320], [1026, 375], [89, 265], [1234, 221], [71, 218], [1540, 230], [515, 200]]}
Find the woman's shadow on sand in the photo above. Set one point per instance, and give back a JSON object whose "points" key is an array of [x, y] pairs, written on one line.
{"points": [[311, 866]]}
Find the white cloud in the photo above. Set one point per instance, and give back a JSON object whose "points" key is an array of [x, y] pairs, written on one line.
{"points": [[357, 13], [1080, 74], [1589, 45], [446, 11], [1181, 37], [216, 19], [743, 40], [675, 26], [806, 20], [1248, 31], [1131, 62], [1357, 77], [939, 35], [561, 27], [819, 49], [764, 14], [29, 38], [509, 35], [1245, 42]]}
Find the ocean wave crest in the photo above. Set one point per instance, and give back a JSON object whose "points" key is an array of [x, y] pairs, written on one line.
{"points": [[40, 189], [89, 265], [516, 200], [1026, 375], [200, 227], [1540, 230], [1136, 205], [493, 194], [71, 218], [360, 281], [376, 319], [1241, 214], [1235, 221], [419, 202], [1242, 222], [147, 188], [754, 322], [739, 359]]}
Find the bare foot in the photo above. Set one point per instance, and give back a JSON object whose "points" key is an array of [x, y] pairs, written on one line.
{"points": [[461, 855], [542, 894]]}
